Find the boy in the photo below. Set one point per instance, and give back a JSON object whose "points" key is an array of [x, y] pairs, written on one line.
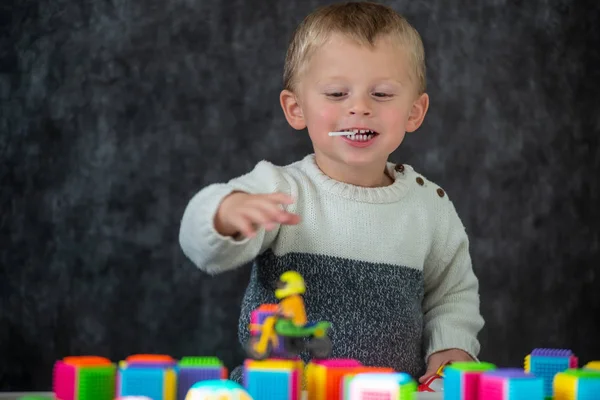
{"points": [[383, 253]]}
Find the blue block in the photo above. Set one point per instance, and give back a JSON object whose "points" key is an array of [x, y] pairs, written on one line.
{"points": [[526, 389], [546, 368], [269, 384], [452, 384], [588, 389], [147, 382]]}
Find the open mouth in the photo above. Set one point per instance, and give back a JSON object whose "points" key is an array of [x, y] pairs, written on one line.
{"points": [[360, 135]]}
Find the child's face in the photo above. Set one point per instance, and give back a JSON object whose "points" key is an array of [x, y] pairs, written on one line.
{"points": [[349, 86]]}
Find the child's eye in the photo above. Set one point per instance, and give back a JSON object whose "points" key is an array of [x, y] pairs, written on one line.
{"points": [[335, 94], [380, 94]]}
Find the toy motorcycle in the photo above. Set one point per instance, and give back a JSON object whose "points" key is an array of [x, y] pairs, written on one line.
{"points": [[288, 323], [276, 328]]}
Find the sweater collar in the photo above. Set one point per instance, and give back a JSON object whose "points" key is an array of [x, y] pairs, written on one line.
{"points": [[384, 194]]}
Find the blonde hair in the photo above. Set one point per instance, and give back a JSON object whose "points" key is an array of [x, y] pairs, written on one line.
{"points": [[361, 21]]}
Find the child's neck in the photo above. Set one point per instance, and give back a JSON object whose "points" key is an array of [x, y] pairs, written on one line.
{"points": [[365, 176]]}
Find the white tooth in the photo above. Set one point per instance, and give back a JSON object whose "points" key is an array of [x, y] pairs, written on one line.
{"points": [[362, 131], [355, 131]]}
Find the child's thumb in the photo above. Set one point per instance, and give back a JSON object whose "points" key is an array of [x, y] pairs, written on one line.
{"points": [[431, 370]]}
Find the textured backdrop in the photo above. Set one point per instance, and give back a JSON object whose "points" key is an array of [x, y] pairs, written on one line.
{"points": [[114, 113]]}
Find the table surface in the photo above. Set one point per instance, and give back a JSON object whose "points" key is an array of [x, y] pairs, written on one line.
{"points": [[16, 395]]}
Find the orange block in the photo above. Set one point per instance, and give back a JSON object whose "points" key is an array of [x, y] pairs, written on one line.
{"points": [[324, 378], [150, 358], [87, 361]]}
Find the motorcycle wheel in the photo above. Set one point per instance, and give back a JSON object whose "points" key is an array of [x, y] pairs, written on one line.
{"points": [[320, 347], [294, 345]]}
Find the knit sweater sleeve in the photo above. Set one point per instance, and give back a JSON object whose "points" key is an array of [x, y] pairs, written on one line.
{"points": [[451, 304], [198, 238]]}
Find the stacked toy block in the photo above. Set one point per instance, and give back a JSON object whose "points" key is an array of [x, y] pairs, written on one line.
{"points": [[577, 384], [197, 369], [324, 378], [257, 318], [149, 375], [510, 384], [595, 365], [274, 379], [546, 363], [398, 386], [461, 379], [84, 378]]}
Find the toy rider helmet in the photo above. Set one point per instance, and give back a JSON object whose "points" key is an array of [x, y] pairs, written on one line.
{"points": [[289, 283]]}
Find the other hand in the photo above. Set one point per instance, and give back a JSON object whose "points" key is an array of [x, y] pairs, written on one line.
{"points": [[436, 360], [244, 213]]}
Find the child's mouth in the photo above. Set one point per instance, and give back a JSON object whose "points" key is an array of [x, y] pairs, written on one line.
{"points": [[359, 135]]}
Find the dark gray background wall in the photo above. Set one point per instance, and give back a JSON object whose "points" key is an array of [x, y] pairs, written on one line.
{"points": [[114, 113]]}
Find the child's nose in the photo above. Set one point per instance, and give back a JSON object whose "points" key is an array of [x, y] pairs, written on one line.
{"points": [[360, 106]]}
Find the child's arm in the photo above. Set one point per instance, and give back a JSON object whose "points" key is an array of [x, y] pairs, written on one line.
{"points": [[213, 251], [451, 304]]}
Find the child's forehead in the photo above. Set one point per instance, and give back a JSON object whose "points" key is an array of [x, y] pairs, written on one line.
{"points": [[342, 51]]}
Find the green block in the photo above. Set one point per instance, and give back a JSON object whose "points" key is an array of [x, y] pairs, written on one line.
{"points": [[97, 382], [36, 397], [472, 366], [583, 373], [408, 391], [200, 362]]}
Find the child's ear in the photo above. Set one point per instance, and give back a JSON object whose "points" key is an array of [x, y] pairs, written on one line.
{"points": [[417, 113], [292, 110]]}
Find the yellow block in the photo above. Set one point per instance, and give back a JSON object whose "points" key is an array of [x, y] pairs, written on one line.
{"points": [[527, 364], [564, 387], [170, 386], [275, 364], [595, 365]]}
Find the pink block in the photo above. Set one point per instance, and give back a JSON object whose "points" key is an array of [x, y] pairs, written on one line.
{"points": [[573, 362], [337, 362], [64, 381], [295, 388], [491, 387], [471, 385]]}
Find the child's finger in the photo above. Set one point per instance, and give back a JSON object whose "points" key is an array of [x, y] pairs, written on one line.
{"points": [[281, 198], [257, 215], [245, 227], [275, 212]]}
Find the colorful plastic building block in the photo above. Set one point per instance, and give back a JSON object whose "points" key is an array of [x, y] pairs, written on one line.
{"points": [[217, 389], [577, 384], [461, 379], [197, 369], [287, 323], [150, 375], [595, 365], [510, 384], [398, 386], [84, 378], [274, 379], [325, 378], [546, 363], [257, 319]]}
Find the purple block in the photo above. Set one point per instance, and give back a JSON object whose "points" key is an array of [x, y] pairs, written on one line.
{"points": [[159, 365], [508, 373], [551, 353], [259, 317], [190, 375]]}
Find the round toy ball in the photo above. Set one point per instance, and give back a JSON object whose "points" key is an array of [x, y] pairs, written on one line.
{"points": [[221, 389]]}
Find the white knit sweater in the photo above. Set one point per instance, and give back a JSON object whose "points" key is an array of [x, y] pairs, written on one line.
{"points": [[388, 266]]}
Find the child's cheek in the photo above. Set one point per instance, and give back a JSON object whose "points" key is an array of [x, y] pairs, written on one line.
{"points": [[328, 113]]}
